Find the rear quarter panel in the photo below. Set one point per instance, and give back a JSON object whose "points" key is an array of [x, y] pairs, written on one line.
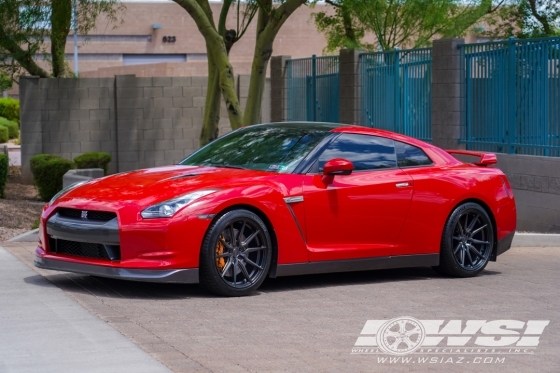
{"points": [[439, 190]]}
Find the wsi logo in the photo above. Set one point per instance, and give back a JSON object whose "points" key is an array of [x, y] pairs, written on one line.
{"points": [[406, 335]]}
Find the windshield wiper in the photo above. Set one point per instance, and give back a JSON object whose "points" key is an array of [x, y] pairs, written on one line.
{"points": [[229, 166]]}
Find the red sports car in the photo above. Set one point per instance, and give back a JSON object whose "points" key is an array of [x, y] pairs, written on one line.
{"points": [[284, 199]]}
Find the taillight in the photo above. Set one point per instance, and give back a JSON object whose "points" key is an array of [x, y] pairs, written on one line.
{"points": [[507, 187]]}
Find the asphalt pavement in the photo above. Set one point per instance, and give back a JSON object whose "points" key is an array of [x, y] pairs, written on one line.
{"points": [[295, 324]]}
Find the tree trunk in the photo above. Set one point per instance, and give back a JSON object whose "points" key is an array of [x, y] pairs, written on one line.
{"points": [[263, 51], [215, 46], [227, 87], [61, 18], [211, 118], [269, 23]]}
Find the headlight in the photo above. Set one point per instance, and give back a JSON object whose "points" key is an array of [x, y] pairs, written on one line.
{"points": [[66, 189], [168, 208]]}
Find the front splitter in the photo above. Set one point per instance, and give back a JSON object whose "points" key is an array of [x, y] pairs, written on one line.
{"points": [[182, 276]]}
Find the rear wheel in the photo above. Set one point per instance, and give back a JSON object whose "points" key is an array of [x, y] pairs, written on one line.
{"points": [[236, 254], [467, 241]]}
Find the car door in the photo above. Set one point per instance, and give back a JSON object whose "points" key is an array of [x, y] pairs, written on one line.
{"points": [[358, 215], [427, 214]]}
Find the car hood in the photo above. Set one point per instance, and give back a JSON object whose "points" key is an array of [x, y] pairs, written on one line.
{"points": [[153, 185]]}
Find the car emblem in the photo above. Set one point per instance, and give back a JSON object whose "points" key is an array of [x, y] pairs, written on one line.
{"points": [[84, 214]]}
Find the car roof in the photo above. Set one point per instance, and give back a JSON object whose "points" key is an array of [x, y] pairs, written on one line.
{"points": [[345, 128]]}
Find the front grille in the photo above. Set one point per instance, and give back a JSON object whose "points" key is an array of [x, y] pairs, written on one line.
{"points": [[90, 214], [83, 249]]}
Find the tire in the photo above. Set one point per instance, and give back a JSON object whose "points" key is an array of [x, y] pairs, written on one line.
{"points": [[236, 254], [467, 241]]}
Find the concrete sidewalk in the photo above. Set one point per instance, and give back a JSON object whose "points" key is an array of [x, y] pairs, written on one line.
{"points": [[43, 330]]}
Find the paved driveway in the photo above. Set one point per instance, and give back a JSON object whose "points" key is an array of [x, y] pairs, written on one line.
{"points": [[311, 323]]}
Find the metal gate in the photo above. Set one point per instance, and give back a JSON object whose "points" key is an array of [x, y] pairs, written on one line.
{"points": [[510, 96], [313, 85], [396, 91]]}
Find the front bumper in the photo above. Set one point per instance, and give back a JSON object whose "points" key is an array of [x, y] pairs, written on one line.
{"points": [[182, 276]]}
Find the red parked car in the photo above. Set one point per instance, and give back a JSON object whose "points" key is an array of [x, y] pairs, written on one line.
{"points": [[284, 199]]}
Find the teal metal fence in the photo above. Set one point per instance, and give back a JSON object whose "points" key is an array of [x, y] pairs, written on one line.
{"points": [[396, 91], [510, 96], [313, 89]]}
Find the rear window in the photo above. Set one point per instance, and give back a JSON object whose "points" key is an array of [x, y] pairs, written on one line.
{"points": [[410, 155]]}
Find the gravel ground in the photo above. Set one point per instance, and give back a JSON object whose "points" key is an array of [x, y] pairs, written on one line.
{"points": [[20, 210]]}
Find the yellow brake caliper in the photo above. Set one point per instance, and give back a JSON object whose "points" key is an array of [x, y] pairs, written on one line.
{"points": [[220, 262]]}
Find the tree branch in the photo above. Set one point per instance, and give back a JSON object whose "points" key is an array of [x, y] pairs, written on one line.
{"points": [[24, 58], [542, 19]]}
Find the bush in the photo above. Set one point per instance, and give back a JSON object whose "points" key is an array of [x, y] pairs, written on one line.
{"points": [[9, 108], [48, 170], [4, 134], [93, 160], [13, 129], [3, 173]]}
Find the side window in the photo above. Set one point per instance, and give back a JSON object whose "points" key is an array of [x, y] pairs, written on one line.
{"points": [[365, 152], [411, 156]]}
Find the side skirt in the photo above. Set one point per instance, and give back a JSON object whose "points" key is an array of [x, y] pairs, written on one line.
{"points": [[386, 262]]}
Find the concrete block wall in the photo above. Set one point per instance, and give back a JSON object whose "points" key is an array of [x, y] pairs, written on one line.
{"points": [[446, 99], [158, 119], [243, 93], [66, 117], [536, 187], [141, 121], [279, 89], [350, 86]]}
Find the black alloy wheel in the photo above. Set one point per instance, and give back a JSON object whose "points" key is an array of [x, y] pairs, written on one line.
{"points": [[467, 241], [236, 254]]}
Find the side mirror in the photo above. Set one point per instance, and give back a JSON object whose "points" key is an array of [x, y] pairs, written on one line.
{"points": [[338, 166]]}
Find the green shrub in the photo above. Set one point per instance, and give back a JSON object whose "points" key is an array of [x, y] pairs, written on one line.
{"points": [[3, 173], [13, 129], [93, 160], [48, 170], [9, 108], [4, 137]]}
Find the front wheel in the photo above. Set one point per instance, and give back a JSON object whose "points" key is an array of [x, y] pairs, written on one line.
{"points": [[236, 254], [467, 241]]}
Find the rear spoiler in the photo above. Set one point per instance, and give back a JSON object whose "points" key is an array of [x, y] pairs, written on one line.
{"points": [[485, 158]]}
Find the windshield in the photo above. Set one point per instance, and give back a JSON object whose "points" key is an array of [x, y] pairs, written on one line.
{"points": [[264, 148]]}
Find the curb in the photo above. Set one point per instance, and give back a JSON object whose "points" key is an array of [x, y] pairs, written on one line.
{"points": [[31, 236], [536, 239]]}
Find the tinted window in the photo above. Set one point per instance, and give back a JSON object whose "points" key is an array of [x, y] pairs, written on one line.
{"points": [[272, 148], [365, 152], [410, 156]]}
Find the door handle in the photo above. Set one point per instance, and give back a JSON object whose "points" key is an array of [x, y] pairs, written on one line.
{"points": [[401, 185]]}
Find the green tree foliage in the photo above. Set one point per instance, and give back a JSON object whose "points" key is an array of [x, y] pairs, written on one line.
{"points": [[28, 27], [5, 82], [397, 23], [270, 17], [525, 19]]}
